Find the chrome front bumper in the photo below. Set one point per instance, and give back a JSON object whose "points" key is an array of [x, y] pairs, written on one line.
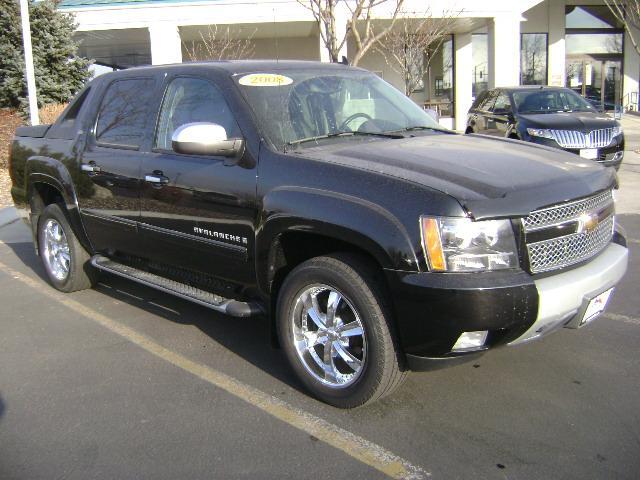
{"points": [[563, 297]]}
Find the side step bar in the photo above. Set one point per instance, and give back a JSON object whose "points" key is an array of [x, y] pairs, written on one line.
{"points": [[227, 306]]}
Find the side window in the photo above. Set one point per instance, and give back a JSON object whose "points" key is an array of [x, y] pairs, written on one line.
{"points": [[191, 100], [487, 103], [76, 106], [123, 114], [502, 103]]}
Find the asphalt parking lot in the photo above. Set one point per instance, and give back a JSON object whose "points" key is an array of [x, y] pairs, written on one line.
{"points": [[125, 382]]}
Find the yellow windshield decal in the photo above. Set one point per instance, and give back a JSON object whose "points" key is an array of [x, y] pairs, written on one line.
{"points": [[265, 80]]}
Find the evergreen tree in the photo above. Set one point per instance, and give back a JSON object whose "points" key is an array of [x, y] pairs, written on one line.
{"points": [[59, 72]]}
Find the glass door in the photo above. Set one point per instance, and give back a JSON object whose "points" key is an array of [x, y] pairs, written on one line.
{"points": [[596, 79]]}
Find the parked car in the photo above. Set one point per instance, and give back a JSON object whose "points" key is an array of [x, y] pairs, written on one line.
{"points": [[552, 116], [323, 199]]}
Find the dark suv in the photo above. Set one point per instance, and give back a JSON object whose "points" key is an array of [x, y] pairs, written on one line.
{"points": [[552, 116]]}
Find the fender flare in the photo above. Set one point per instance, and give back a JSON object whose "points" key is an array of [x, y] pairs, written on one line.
{"points": [[339, 216], [52, 172]]}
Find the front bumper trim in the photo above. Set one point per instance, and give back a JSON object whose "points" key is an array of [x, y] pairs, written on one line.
{"points": [[562, 297]]}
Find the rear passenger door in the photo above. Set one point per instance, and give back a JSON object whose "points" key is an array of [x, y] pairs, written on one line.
{"points": [[201, 217], [110, 165]]}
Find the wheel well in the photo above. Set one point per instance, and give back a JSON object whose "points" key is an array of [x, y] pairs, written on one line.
{"points": [[43, 195], [291, 249]]}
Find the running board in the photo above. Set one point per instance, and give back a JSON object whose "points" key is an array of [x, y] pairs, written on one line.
{"points": [[227, 306]]}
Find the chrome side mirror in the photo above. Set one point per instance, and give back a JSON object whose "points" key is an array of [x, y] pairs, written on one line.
{"points": [[202, 138]]}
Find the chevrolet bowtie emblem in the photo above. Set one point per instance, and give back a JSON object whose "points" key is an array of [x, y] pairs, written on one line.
{"points": [[587, 222]]}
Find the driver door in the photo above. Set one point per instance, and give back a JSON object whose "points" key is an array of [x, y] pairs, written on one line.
{"points": [[197, 211]]}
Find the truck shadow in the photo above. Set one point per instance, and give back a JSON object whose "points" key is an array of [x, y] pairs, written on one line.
{"points": [[249, 338]]}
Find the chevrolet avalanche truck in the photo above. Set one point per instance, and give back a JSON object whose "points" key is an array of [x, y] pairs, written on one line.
{"points": [[323, 199]]}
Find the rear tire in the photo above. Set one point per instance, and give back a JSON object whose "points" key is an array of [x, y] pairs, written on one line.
{"points": [[65, 259], [334, 326]]}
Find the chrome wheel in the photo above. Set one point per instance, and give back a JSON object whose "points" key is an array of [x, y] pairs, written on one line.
{"points": [[329, 336], [56, 250]]}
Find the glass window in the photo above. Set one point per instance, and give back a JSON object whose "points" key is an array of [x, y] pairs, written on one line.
{"points": [[487, 103], [191, 100], [320, 102], [123, 114], [593, 43], [502, 103], [439, 91], [533, 59], [550, 101], [590, 16], [77, 104], [480, 54]]}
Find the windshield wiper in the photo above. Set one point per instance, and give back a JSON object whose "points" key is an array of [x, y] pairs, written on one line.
{"points": [[345, 134], [422, 127]]}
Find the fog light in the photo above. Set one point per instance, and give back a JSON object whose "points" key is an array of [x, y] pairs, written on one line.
{"points": [[470, 341]]}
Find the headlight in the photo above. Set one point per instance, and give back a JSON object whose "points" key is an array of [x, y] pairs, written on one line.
{"points": [[617, 130], [462, 245], [540, 132]]}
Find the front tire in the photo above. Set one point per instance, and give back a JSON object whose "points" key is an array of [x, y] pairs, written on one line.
{"points": [[334, 326], [65, 259]]}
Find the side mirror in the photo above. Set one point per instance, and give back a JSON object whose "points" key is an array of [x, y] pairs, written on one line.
{"points": [[202, 138]]}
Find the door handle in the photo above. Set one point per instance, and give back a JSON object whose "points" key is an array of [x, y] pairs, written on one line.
{"points": [[90, 167], [156, 179]]}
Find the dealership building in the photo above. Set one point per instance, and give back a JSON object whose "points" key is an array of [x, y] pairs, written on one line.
{"points": [[491, 43]]}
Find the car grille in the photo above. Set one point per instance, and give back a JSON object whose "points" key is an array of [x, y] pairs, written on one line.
{"points": [[574, 139], [580, 243]]}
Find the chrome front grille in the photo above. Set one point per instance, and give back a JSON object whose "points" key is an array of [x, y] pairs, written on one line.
{"points": [[567, 211], [574, 139], [578, 245]]}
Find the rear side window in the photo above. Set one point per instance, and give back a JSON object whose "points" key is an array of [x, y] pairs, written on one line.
{"points": [[502, 103], [487, 103], [190, 100], [76, 106], [124, 112]]}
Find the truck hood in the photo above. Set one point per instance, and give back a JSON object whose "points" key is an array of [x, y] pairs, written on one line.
{"points": [[490, 177], [580, 121]]}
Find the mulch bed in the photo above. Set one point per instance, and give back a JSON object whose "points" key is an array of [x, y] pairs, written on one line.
{"points": [[9, 121]]}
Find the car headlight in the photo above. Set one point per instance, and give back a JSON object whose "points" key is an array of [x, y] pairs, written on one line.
{"points": [[617, 130], [540, 132], [454, 244]]}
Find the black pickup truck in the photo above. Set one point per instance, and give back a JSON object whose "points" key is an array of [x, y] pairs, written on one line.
{"points": [[318, 196]]}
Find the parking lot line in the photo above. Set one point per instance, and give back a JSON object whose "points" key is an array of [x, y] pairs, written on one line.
{"points": [[349, 443]]}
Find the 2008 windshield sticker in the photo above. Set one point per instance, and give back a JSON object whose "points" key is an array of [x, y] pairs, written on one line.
{"points": [[265, 80]]}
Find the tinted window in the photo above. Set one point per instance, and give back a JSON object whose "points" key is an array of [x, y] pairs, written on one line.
{"points": [[487, 103], [77, 104], [190, 100], [123, 114], [502, 103], [545, 101]]}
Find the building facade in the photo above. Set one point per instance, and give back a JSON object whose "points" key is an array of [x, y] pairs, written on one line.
{"points": [[573, 43]]}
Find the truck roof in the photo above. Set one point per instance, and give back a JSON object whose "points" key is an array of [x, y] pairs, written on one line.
{"points": [[243, 66]]}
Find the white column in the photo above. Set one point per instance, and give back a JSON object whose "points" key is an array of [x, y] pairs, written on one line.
{"points": [[630, 79], [556, 60], [166, 46], [463, 66], [28, 63], [504, 51], [341, 31]]}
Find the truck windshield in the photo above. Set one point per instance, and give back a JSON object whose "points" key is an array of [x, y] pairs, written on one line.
{"points": [[295, 107], [550, 101]]}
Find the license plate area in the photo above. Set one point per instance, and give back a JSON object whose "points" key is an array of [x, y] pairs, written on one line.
{"points": [[595, 307], [589, 153]]}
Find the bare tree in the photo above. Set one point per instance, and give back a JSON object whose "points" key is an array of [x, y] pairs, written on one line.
{"points": [[627, 12], [408, 49], [220, 44], [360, 13]]}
